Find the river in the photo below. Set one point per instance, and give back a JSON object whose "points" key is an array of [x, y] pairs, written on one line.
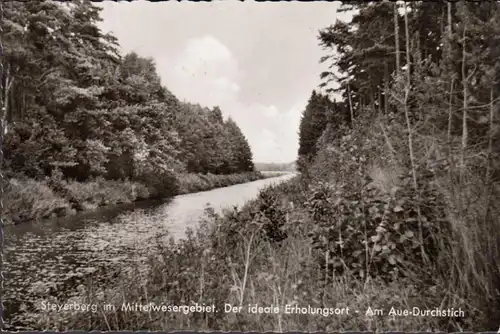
{"points": [[49, 258]]}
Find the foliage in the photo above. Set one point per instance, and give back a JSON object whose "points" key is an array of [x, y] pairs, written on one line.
{"points": [[210, 144], [401, 189], [315, 117], [74, 105]]}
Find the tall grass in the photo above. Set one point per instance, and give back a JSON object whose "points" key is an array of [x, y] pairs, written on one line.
{"points": [[201, 270], [471, 252], [27, 199]]}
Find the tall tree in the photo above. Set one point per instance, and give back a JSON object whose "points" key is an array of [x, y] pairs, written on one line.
{"points": [[242, 154], [319, 110]]}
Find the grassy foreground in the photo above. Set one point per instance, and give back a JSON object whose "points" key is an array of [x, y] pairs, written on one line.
{"points": [[27, 199], [265, 254]]}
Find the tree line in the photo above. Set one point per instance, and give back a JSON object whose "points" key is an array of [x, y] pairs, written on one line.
{"points": [[75, 106], [417, 126], [426, 62], [271, 166]]}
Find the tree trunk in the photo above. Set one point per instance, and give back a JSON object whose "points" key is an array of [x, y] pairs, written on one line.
{"points": [[450, 116], [448, 4], [396, 37], [447, 42], [386, 89], [410, 134], [490, 138], [465, 106], [5, 91], [407, 35], [449, 31], [350, 103]]}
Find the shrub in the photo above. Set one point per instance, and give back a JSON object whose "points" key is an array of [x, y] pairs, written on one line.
{"points": [[27, 199], [161, 183]]}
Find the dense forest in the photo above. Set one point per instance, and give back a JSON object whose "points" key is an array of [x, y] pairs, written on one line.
{"points": [[81, 117]]}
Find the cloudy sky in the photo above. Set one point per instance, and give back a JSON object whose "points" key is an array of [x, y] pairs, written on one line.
{"points": [[258, 61]]}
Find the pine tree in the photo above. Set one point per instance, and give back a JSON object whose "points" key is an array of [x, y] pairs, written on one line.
{"points": [[241, 152], [314, 120]]}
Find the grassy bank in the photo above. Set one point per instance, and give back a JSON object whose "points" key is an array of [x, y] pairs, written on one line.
{"points": [[190, 183], [28, 199]]}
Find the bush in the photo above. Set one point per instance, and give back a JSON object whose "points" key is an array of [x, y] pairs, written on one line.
{"points": [[27, 199], [371, 234], [159, 182], [100, 192]]}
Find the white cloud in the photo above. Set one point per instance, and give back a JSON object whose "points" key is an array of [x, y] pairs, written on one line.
{"points": [[274, 138], [209, 49], [265, 145], [271, 112], [287, 130], [205, 71]]}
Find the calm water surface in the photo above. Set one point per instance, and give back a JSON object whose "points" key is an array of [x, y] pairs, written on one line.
{"points": [[49, 257]]}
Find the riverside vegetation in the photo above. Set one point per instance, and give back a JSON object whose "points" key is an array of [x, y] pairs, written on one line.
{"points": [[87, 127], [396, 204]]}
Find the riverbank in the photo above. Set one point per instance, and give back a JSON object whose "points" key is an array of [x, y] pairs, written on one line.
{"points": [[28, 199]]}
